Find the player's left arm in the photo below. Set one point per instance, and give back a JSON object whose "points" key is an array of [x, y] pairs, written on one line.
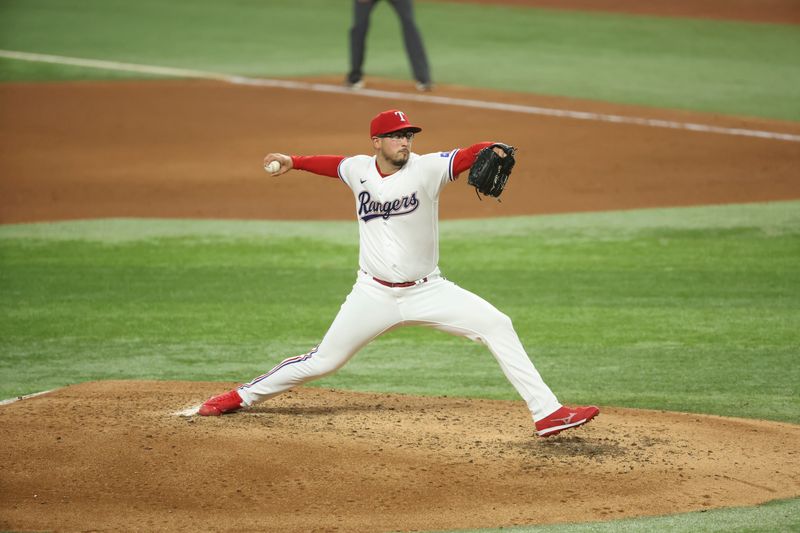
{"points": [[466, 156]]}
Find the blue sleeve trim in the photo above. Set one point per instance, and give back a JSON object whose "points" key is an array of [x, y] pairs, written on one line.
{"points": [[450, 165], [339, 170]]}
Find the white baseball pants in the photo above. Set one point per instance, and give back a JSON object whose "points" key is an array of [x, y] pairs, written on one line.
{"points": [[372, 309]]}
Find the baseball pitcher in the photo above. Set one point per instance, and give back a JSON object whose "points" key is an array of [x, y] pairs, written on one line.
{"points": [[398, 282]]}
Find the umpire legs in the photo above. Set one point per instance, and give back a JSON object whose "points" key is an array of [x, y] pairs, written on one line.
{"points": [[413, 41], [411, 38], [358, 37]]}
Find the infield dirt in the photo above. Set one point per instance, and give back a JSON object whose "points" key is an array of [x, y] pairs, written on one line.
{"points": [[194, 150], [115, 456]]}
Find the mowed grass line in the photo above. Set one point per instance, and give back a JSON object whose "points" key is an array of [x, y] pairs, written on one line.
{"points": [[774, 517], [694, 309], [718, 66]]}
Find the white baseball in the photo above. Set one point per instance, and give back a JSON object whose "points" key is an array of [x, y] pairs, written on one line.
{"points": [[273, 167]]}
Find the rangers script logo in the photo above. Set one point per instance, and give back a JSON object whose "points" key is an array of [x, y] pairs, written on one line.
{"points": [[369, 209]]}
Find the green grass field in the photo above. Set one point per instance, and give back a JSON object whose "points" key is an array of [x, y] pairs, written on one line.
{"points": [[683, 309], [687, 309], [725, 67], [693, 309], [774, 517]]}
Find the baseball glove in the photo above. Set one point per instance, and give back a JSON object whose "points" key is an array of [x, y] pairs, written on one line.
{"points": [[490, 171]]}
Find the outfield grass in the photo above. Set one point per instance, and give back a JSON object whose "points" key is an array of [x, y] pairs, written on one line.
{"points": [[727, 67], [689, 309]]}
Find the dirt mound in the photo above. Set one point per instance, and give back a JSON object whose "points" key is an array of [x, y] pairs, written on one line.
{"points": [[117, 456]]}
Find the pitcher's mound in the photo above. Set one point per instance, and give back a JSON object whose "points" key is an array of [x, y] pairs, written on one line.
{"points": [[117, 456]]}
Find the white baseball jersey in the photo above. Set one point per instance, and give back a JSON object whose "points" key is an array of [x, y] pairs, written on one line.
{"points": [[398, 215]]}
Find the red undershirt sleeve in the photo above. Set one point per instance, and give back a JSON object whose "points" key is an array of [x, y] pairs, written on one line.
{"points": [[328, 165], [466, 156], [324, 165]]}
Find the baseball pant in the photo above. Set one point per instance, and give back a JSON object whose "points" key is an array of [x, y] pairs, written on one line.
{"points": [[372, 309], [411, 37]]}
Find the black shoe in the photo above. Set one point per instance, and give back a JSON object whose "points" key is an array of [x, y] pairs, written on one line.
{"points": [[353, 82]]}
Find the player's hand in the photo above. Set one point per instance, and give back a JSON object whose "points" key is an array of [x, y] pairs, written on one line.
{"points": [[499, 151], [284, 161]]}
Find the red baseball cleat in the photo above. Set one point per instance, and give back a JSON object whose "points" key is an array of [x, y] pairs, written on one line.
{"points": [[565, 418], [224, 403]]}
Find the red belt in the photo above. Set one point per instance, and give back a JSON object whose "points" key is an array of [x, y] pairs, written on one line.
{"points": [[400, 284]]}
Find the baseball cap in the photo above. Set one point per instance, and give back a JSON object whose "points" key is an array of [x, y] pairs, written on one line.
{"points": [[389, 121]]}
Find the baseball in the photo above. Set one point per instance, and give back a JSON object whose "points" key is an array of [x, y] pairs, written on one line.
{"points": [[273, 167]]}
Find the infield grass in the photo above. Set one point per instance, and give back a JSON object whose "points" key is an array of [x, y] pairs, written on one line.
{"points": [[694, 309], [773, 517], [726, 67]]}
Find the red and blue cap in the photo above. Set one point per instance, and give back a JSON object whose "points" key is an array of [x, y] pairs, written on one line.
{"points": [[391, 121]]}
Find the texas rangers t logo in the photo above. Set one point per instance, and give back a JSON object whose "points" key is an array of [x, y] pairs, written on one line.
{"points": [[369, 209], [401, 116]]}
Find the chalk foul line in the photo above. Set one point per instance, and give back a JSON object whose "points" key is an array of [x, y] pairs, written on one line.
{"points": [[25, 397], [399, 96], [185, 413]]}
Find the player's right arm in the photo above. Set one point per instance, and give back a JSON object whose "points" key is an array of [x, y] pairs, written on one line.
{"points": [[324, 165]]}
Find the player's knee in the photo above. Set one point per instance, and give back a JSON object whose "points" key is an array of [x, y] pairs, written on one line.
{"points": [[325, 366], [501, 321]]}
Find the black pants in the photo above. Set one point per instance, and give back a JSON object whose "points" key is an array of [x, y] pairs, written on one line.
{"points": [[411, 37]]}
